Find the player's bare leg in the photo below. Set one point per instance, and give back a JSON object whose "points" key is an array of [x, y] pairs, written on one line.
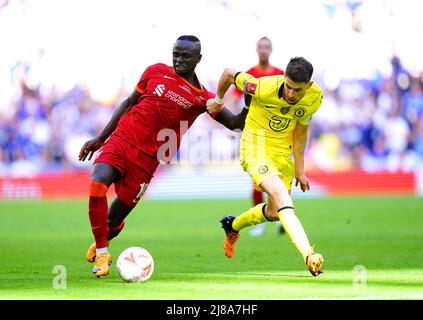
{"points": [[118, 211], [280, 206]]}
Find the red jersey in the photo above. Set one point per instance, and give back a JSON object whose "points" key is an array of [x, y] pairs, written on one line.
{"points": [[168, 106], [258, 72]]}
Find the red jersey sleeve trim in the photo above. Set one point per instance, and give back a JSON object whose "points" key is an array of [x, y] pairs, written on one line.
{"points": [[139, 90]]}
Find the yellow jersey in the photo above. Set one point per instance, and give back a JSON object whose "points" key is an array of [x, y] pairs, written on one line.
{"points": [[271, 119]]}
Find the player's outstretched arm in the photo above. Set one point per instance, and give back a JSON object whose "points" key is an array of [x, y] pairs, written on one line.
{"points": [[226, 79], [230, 120], [93, 145], [299, 144]]}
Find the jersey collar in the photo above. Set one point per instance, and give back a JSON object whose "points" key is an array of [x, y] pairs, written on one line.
{"points": [[199, 90], [280, 91]]}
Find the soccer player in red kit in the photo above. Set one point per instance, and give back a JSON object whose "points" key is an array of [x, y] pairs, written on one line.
{"points": [[263, 68], [144, 130]]}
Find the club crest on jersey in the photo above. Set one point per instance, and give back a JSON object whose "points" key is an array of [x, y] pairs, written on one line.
{"points": [[278, 124], [160, 88], [299, 112], [262, 169], [285, 110], [249, 87]]}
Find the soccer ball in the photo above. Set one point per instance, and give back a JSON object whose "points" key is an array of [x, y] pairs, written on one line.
{"points": [[135, 264]]}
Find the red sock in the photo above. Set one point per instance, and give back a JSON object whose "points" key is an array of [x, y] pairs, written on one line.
{"points": [[97, 211], [115, 230], [257, 197]]}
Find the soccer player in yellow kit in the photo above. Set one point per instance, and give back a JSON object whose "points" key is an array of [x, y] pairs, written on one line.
{"points": [[280, 110]]}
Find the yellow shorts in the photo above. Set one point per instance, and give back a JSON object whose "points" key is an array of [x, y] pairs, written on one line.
{"points": [[260, 166]]}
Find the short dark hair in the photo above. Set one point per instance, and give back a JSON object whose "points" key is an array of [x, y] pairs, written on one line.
{"points": [[299, 70], [190, 38], [264, 38]]}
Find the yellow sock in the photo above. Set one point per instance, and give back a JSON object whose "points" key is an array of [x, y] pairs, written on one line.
{"points": [[249, 218], [295, 230]]}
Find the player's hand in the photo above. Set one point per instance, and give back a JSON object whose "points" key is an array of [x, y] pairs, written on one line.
{"points": [[89, 148], [303, 181], [213, 107]]}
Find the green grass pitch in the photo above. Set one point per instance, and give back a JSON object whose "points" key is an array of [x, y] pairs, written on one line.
{"points": [[382, 234]]}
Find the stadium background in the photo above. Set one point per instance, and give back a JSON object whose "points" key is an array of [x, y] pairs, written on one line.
{"points": [[66, 64]]}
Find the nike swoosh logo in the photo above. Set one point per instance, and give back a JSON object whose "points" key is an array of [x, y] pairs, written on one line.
{"points": [[270, 107], [167, 77]]}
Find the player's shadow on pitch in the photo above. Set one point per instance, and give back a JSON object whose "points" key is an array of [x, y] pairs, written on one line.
{"points": [[270, 275], [282, 275]]}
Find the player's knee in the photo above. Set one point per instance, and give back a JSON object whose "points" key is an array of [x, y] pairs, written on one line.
{"points": [[101, 178], [98, 189], [104, 173], [277, 194]]}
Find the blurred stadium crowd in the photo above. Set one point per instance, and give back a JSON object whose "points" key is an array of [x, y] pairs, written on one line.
{"points": [[373, 123]]}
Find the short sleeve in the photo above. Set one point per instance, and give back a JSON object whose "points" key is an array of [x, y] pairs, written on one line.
{"points": [[141, 86], [315, 106], [246, 83]]}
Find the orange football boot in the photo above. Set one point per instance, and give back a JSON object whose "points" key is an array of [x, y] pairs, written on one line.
{"points": [[231, 236], [91, 253]]}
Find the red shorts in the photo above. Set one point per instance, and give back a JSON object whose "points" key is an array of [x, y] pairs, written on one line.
{"points": [[136, 168]]}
